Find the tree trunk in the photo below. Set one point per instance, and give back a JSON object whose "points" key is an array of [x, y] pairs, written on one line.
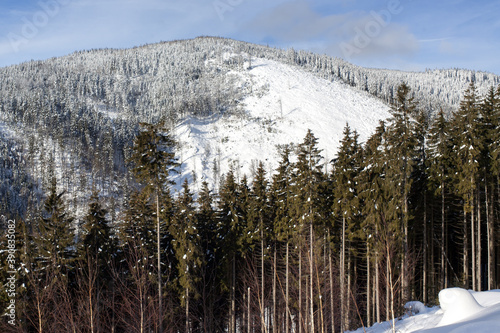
{"points": [[158, 238], [444, 277], [248, 311], [262, 279], [187, 310], [274, 292], [479, 245], [465, 278], [342, 280], [300, 290], [377, 279], [368, 285], [491, 239], [232, 310], [348, 289], [311, 270], [307, 326], [425, 254], [406, 277], [332, 303], [473, 243], [387, 292], [287, 289]]}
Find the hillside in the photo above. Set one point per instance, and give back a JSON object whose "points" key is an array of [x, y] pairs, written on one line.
{"points": [[76, 116]]}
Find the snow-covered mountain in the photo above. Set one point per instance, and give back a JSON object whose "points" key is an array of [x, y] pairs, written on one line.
{"points": [[228, 103], [284, 103]]}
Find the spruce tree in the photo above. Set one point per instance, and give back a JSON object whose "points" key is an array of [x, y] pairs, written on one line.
{"points": [[346, 169], [440, 155], [489, 131], [154, 159], [306, 206], [281, 197], [259, 218], [97, 242], [186, 244], [373, 193], [137, 229], [402, 144], [56, 236], [467, 147], [210, 255], [231, 229]]}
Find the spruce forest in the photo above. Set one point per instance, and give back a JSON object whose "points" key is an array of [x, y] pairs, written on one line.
{"points": [[105, 244]]}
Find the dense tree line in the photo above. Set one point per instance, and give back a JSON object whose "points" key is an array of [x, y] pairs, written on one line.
{"points": [[306, 249]]}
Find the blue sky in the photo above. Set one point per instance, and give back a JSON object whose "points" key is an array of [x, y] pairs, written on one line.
{"points": [[397, 34]]}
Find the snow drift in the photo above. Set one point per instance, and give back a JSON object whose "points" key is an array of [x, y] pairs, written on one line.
{"points": [[460, 311]]}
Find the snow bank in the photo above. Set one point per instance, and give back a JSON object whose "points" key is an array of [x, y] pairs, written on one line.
{"points": [[458, 304], [460, 311]]}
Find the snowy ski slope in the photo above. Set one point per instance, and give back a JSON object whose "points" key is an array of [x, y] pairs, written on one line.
{"points": [[284, 103]]}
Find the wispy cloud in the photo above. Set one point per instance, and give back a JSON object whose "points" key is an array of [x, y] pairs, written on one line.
{"points": [[366, 34], [446, 33]]}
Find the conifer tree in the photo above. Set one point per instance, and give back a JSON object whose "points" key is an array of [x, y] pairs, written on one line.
{"points": [[186, 246], [306, 205], [281, 194], [402, 143], [55, 232], [97, 242], [259, 220], [154, 159], [346, 168], [138, 227], [210, 255], [231, 228], [419, 197], [373, 194], [467, 148], [440, 155], [489, 131], [96, 253]]}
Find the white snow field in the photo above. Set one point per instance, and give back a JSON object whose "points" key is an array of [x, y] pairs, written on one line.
{"points": [[283, 103], [460, 311]]}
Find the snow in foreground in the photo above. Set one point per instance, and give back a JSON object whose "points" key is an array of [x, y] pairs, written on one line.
{"points": [[460, 311]]}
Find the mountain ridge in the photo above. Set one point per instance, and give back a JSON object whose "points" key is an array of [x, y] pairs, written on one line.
{"points": [[76, 115]]}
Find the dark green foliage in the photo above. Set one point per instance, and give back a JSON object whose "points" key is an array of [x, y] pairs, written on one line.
{"points": [[97, 240], [186, 243], [345, 174], [55, 232]]}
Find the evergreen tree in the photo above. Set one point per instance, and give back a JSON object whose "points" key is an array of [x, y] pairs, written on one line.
{"points": [[259, 218], [97, 242], [374, 196], [186, 244], [306, 206], [154, 159], [138, 226], [467, 148], [440, 155], [56, 236], [489, 131], [281, 197], [210, 256], [346, 169], [232, 225], [401, 148]]}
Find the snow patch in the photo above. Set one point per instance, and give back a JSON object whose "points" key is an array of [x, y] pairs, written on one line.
{"points": [[458, 304]]}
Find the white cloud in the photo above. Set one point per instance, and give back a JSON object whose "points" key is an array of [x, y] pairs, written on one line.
{"points": [[349, 35]]}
